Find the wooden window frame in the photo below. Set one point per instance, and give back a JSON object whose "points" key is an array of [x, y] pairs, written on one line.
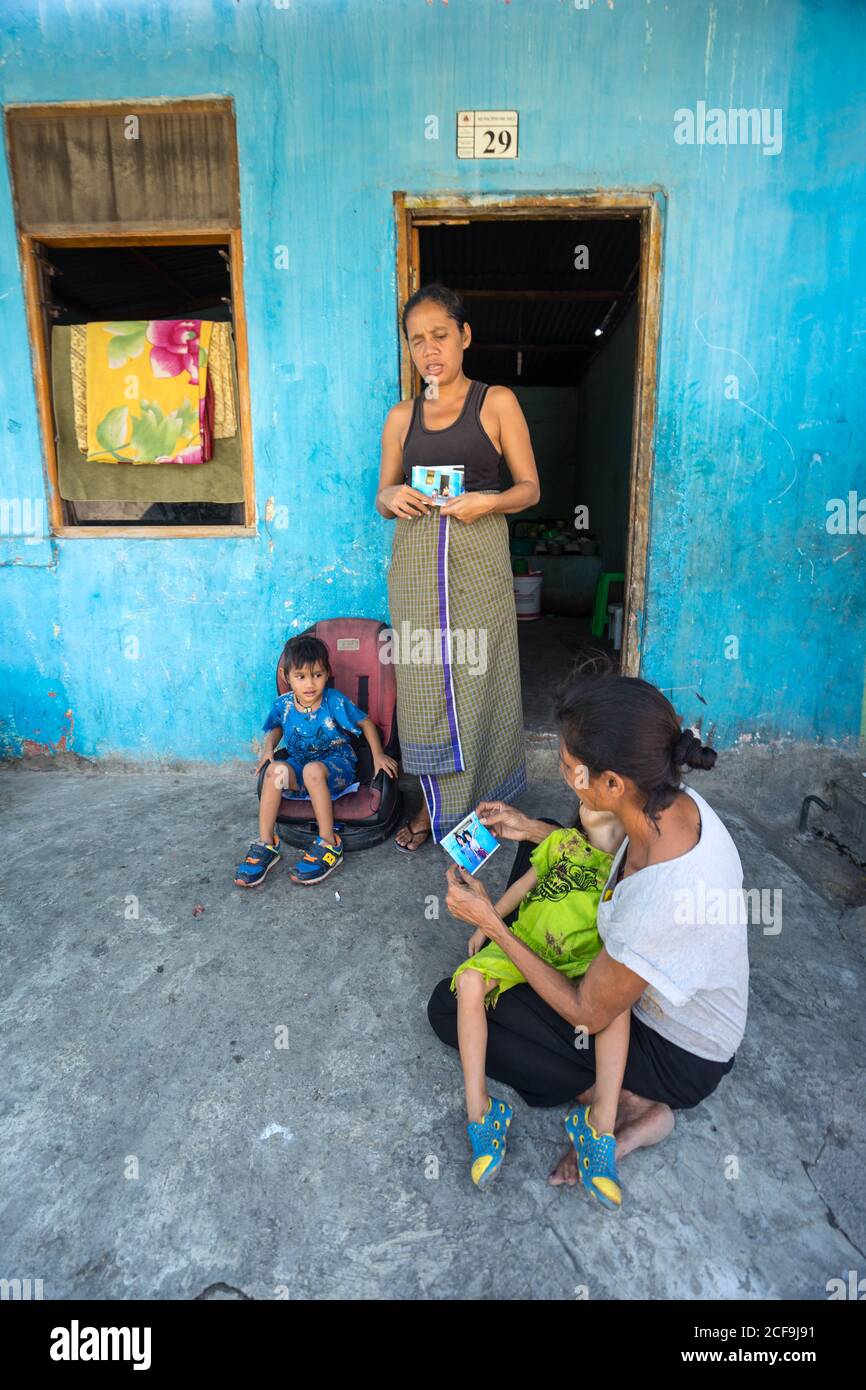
{"points": [[413, 211], [133, 235]]}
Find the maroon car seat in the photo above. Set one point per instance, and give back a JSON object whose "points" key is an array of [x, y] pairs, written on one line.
{"points": [[369, 815]]}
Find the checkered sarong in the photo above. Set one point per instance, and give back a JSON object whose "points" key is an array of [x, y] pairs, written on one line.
{"points": [[459, 710]]}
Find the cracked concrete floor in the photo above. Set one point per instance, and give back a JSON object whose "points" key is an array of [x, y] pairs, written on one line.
{"points": [[157, 1143]]}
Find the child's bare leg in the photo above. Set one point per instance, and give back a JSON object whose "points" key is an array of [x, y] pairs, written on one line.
{"points": [[279, 777], [472, 1040], [316, 783], [639, 1123], [611, 1053]]}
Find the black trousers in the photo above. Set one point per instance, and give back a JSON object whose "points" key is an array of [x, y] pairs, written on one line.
{"points": [[532, 1049]]}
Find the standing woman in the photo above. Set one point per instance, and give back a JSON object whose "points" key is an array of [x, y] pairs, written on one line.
{"points": [[460, 721]]}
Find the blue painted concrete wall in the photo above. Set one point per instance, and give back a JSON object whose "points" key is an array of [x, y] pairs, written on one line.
{"points": [[763, 280]]}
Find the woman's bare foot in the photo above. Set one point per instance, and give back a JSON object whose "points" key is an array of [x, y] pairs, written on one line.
{"points": [[649, 1122], [565, 1172], [415, 833]]}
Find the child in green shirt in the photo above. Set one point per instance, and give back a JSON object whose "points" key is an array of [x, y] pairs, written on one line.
{"points": [[558, 898]]}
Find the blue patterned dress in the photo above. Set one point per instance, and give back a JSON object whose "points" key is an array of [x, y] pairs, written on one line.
{"points": [[319, 737]]}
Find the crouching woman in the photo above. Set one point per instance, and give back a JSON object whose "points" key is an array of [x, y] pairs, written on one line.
{"points": [[684, 978]]}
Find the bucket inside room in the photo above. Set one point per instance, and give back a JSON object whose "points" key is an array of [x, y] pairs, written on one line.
{"points": [[553, 309]]}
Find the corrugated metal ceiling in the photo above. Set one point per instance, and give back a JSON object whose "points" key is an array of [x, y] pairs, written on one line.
{"points": [[135, 282], [534, 256]]}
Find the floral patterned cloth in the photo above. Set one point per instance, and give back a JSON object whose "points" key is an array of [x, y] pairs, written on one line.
{"points": [[220, 375], [147, 391]]}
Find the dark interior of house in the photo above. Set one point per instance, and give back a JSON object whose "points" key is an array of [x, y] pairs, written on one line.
{"points": [[552, 309], [136, 282]]}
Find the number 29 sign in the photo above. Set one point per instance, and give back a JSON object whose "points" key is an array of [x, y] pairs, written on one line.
{"points": [[486, 134]]}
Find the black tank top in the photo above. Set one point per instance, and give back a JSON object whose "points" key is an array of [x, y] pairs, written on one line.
{"points": [[465, 444]]}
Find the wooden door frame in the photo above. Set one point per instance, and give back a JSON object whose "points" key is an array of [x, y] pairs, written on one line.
{"points": [[413, 211], [226, 231]]}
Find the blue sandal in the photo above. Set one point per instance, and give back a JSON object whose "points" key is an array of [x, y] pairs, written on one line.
{"points": [[596, 1158], [488, 1140]]}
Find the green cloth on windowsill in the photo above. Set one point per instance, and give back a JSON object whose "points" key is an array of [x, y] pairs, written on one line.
{"points": [[219, 480]]}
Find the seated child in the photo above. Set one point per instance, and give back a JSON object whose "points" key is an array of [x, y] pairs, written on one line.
{"points": [[558, 899], [315, 724]]}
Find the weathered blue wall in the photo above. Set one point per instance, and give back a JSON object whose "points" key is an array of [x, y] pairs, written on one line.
{"points": [[763, 278]]}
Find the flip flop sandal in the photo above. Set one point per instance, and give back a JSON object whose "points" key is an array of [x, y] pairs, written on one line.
{"points": [[404, 849], [596, 1158]]}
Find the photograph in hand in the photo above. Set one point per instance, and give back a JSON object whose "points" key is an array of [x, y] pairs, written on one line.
{"points": [[470, 844], [439, 484]]}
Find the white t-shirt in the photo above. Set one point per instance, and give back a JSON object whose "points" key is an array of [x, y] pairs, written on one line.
{"points": [[682, 926]]}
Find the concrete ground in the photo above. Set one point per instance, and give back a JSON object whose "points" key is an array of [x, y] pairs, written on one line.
{"points": [[157, 1142], [549, 647]]}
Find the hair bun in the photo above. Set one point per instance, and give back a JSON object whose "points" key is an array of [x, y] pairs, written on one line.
{"points": [[690, 752], [683, 746]]}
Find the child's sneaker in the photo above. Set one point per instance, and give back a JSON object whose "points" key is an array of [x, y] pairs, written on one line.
{"points": [[488, 1141], [260, 860], [319, 861]]}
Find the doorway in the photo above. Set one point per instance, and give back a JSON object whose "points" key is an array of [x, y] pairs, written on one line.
{"points": [[562, 296]]}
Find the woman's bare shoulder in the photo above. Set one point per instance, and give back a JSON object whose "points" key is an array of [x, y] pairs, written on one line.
{"points": [[680, 827], [501, 398], [688, 813], [502, 406], [397, 422]]}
